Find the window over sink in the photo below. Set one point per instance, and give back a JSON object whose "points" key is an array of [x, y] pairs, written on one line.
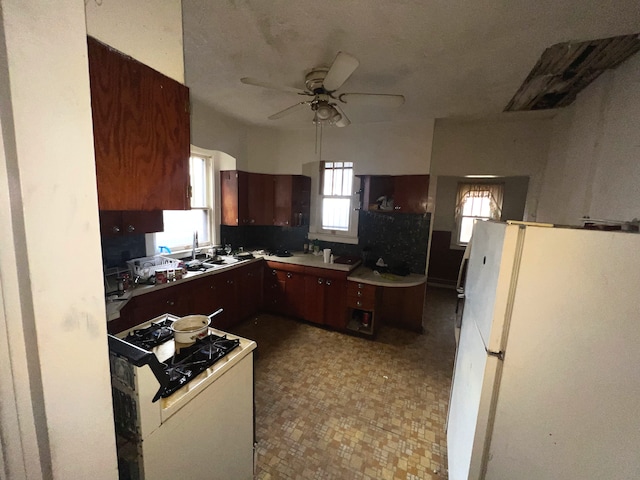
{"points": [[180, 225]]}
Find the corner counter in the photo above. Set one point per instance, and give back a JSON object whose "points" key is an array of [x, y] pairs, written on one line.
{"points": [[375, 299]]}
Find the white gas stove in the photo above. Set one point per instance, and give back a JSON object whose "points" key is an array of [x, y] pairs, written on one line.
{"points": [[182, 410]]}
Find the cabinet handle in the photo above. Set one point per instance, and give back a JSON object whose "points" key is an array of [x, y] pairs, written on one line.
{"points": [[359, 303], [320, 281], [328, 282], [359, 293], [396, 208], [131, 228], [360, 285], [289, 275], [115, 229], [170, 302], [273, 272], [229, 282]]}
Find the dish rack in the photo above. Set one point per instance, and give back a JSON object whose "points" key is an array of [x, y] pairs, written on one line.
{"points": [[145, 267]]}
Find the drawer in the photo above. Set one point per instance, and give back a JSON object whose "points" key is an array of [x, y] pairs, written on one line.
{"points": [[361, 303], [361, 291]]}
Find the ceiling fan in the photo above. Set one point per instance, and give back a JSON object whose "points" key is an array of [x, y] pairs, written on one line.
{"points": [[321, 85]]}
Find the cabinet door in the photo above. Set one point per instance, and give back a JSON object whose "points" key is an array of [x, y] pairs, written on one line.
{"points": [[292, 199], [294, 294], [260, 199], [130, 222], [283, 189], [411, 193], [314, 301], [335, 303], [273, 290], [141, 133], [229, 194], [225, 297], [249, 286], [173, 299]]}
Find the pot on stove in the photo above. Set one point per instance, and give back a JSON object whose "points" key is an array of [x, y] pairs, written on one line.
{"points": [[188, 329]]}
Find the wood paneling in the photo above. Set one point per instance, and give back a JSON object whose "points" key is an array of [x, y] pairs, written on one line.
{"points": [[141, 133]]}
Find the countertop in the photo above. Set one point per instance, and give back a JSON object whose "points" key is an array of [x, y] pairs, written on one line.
{"points": [[358, 274], [372, 277], [115, 304], [311, 260]]}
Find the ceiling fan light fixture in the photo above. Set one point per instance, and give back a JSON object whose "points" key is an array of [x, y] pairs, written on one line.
{"points": [[324, 111]]}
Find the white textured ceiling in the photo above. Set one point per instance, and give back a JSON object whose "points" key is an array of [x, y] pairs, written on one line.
{"points": [[447, 57]]}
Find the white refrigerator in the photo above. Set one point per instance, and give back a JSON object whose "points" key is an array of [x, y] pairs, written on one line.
{"points": [[547, 373]]}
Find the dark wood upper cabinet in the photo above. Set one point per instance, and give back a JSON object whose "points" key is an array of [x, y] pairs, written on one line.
{"points": [[130, 222], [410, 193], [292, 195], [263, 199], [141, 133]]}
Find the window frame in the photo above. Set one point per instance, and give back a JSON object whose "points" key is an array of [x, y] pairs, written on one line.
{"points": [[496, 194], [316, 230], [209, 186]]}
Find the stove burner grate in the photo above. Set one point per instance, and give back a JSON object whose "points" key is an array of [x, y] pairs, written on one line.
{"points": [[152, 335]]}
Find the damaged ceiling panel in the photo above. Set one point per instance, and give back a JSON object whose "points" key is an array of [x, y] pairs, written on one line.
{"points": [[566, 68]]}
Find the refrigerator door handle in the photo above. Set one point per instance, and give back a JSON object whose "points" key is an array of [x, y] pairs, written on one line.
{"points": [[499, 355]]}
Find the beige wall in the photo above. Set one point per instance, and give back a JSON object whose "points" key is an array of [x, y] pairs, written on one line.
{"points": [[593, 166], [55, 393], [510, 145], [375, 148], [146, 30]]}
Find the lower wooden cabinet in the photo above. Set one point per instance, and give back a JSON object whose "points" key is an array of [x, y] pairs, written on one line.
{"points": [[325, 297], [363, 307], [284, 289]]}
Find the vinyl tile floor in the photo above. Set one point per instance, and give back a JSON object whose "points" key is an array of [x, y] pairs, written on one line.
{"points": [[335, 406]]}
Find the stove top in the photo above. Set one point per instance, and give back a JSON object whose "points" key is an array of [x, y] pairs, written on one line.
{"points": [[173, 364], [196, 358], [152, 335]]}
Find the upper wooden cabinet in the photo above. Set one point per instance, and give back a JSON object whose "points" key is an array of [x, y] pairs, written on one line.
{"points": [[141, 133], [130, 222], [292, 197], [262, 199], [410, 193]]}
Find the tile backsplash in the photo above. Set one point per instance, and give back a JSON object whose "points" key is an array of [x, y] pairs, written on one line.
{"points": [[400, 239]]}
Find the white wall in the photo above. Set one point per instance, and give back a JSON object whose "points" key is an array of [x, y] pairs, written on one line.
{"points": [[55, 393], [511, 145], [594, 166], [214, 131], [375, 148], [146, 30]]}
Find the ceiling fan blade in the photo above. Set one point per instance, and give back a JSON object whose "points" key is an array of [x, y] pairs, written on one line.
{"points": [[288, 110], [373, 99], [344, 120], [341, 69], [283, 88]]}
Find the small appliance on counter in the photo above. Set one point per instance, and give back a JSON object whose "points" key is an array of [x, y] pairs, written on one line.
{"points": [[179, 404]]}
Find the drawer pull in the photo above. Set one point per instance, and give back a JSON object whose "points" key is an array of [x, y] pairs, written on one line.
{"points": [[360, 285], [359, 293], [320, 281], [359, 303], [289, 275], [328, 282]]}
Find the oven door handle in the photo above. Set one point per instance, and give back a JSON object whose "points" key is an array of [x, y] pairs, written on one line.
{"points": [[140, 357]]}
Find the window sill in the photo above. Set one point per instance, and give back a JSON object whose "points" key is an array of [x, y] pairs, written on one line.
{"points": [[327, 237]]}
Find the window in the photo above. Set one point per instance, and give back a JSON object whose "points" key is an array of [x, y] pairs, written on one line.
{"points": [[179, 225], [337, 184], [476, 202]]}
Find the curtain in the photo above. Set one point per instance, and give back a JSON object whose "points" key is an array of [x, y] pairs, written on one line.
{"points": [[470, 191]]}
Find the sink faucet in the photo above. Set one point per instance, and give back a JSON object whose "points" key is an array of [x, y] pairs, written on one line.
{"points": [[195, 245]]}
